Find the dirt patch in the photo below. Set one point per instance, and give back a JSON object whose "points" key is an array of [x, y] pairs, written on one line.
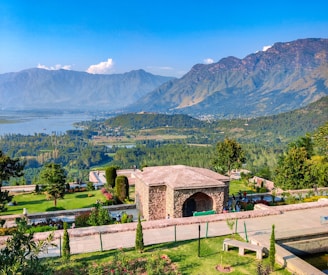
{"points": [[224, 269]]}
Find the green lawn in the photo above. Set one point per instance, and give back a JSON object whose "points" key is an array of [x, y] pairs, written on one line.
{"points": [[238, 185], [37, 202], [183, 254]]}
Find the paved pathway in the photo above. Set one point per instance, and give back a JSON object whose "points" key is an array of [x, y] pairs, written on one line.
{"points": [[288, 222]]}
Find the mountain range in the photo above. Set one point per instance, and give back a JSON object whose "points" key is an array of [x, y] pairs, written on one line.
{"points": [[37, 89], [285, 77]]}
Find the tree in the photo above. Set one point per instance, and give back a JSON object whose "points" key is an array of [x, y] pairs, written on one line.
{"points": [[272, 252], [122, 188], [139, 244], [293, 170], [110, 174], [20, 256], [230, 155], [53, 177], [8, 168], [321, 139], [305, 142], [319, 170], [66, 250]]}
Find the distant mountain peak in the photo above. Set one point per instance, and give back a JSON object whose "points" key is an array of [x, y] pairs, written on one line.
{"points": [[284, 77], [38, 88]]}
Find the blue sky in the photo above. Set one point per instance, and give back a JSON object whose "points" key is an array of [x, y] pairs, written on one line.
{"points": [[162, 37]]}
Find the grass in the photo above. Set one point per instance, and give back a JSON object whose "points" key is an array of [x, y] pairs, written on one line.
{"points": [[239, 185], [37, 202], [183, 254]]}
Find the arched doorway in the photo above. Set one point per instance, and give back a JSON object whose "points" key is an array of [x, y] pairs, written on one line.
{"points": [[197, 202]]}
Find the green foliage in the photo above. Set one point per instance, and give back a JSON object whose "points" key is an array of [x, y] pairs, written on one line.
{"points": [[53, 178], [99, 216], [110, 174], [140, 121], [66, 249], [122, 188], [321, 139], [8, 168], [293, 170], [231, 222], [306, 143], [90, 186], [81, 220], [20, 256], [164, 154], [230, 155], [139, 243], [40, 228], [272, 251]]}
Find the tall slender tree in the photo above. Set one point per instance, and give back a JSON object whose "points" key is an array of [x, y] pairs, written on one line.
{"points": [[272, 252], [66, 250], [110, 174], [53, 177], [139, 243], [122, 188]]}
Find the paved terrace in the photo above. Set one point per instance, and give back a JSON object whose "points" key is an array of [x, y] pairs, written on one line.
{"points": [[289, 220]]}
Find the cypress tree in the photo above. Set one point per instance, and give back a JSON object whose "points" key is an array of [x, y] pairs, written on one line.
{"points": [[122, 188], [110, 174], [66, 249], [139, 245], [272, 252]]}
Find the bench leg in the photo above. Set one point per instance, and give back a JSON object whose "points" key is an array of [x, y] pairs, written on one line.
{"points": [[259, 254], [241, 251]]}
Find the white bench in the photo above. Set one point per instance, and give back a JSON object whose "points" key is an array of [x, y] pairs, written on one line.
{"points": [[244, 246]]}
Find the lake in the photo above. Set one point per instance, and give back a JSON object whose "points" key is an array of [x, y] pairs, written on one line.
{"points": [[29, 123]]}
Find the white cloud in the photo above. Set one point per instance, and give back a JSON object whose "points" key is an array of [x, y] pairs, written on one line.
{"points": [[265, 48], [101, 68], [208, 61], [56, 67]]}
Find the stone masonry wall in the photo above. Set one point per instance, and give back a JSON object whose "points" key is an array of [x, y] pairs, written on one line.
{"points": [[157, 202], [170, 202]]}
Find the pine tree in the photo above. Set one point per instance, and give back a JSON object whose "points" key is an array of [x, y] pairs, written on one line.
{"points": [[139, 245], [272, 252], [66, 250], [53, 177]]}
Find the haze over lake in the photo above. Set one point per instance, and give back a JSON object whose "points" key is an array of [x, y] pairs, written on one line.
{"points": [[29, 123]]}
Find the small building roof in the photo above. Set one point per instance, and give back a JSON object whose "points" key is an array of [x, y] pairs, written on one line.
{"points": [[181, 177]]}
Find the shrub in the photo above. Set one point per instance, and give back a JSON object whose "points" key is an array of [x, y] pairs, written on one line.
{"points": [[124, 218], [82, 219], [41, 228], [99, 216], [7, 231], [90, 186]]}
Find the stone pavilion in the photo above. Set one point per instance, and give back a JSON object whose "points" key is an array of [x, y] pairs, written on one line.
{"points": [[178, 191]]}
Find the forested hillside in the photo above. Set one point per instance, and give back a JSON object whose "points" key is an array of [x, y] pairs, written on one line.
{"points": [[158, 139]]}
